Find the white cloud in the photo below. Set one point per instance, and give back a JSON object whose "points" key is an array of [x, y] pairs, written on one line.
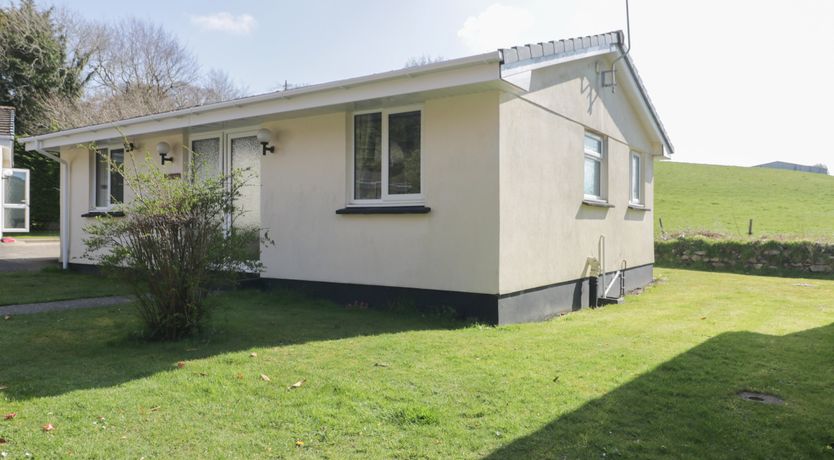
{"points": [[226, 22], [498, 26]]}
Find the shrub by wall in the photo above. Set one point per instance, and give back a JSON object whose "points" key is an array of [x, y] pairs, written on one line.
{"points": [[747, 256]]}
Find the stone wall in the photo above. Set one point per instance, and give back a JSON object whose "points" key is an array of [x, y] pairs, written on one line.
{"points": [[747, 256]]}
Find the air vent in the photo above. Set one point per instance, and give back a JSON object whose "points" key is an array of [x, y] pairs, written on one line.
{"points": [[6, 121]]}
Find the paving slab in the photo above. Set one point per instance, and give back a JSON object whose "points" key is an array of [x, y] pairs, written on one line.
{"points": [[94, 302], [29, 255]]}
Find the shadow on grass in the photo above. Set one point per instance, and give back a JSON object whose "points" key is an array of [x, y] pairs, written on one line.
{"points": [[776, 273], [55, 353], [688, 407]]}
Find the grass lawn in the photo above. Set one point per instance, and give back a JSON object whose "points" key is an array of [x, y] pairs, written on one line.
{"points": [[36, 235], [723, 199], [656, 377], [53, 284]]}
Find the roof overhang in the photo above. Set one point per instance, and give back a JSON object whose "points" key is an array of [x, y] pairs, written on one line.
{"points": [[518, 64], [506, 69], [480, 71]]}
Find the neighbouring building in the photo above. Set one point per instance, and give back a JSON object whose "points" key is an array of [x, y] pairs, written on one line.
{"points": [[818, 169], [503, 184], [14, 182]]}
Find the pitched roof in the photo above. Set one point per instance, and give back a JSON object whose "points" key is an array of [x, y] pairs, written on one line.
{"points": [[471, 70], [579, 47]]}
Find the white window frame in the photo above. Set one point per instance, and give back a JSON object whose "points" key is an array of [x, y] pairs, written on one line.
{"points": [[94, 178], [385, 199], [641, 174], [601, 157]]}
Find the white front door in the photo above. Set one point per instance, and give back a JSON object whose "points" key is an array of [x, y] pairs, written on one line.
{"points": [[15, 212]]}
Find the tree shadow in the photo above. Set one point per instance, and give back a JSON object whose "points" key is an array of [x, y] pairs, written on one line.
{"points": [[689, 406], [54, 353]]}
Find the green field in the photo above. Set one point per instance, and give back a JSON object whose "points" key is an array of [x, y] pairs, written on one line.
{"points": [[655, 377], [694, 197]]}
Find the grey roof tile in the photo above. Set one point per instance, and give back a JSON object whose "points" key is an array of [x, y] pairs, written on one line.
{"points": [[536, 52]]}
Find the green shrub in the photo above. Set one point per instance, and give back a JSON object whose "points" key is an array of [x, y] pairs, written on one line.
{"points": [[174, 244]]}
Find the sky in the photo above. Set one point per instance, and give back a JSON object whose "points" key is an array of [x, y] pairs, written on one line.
{"points": [[735, 82]]}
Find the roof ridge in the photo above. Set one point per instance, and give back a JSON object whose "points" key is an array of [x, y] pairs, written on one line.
{"points": [[564, 45]]}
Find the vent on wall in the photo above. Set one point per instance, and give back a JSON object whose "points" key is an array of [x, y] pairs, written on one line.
{"points": [[6, 121]]}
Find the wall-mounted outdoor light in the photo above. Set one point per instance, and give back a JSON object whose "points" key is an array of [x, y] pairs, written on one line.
{"points": [[265, 137], [162, 149], [129, 147]]}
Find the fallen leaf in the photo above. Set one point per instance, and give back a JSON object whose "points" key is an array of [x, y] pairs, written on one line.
{"points": [[703, 317], [10, 416], [265, 378], [297, 384], [3, 441], [48, 427], [239, 376], [299, 443], [100, 418], [253, 355], [381, 364], [7, 317], [154, 408], [203, 374], [181, 364]]}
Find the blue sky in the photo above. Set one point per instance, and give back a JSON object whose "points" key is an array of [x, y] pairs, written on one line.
{"points": [[736, 82]]}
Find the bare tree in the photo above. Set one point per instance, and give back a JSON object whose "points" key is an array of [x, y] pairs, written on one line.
{"points": [[425, 59], [133, 68]]}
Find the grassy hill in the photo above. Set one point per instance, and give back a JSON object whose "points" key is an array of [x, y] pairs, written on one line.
{"points": [[722, 198]]}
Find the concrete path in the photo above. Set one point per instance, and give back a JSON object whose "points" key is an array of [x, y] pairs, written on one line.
{"points": [[30, 308], [29, 255]]}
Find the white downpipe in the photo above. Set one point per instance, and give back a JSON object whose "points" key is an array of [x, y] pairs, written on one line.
{"points": [[65, 194]]}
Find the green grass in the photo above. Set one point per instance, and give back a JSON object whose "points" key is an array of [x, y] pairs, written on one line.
{"points": [[723, 198], [53, 284], [656, 377], [36, 235]]}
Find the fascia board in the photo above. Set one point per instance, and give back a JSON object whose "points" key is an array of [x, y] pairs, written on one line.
{"points": [[448, 74]]}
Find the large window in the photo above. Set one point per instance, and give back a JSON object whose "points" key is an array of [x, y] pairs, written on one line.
{"points": [[594, 166], [108, 183], [386, 157], [636, 179]]}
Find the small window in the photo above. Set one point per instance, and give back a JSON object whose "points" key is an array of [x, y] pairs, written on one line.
{"points": [[387, 163], [108, 183], [594, 166], [636, 182]]}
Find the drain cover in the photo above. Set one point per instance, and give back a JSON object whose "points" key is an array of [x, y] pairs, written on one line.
{"points": [[760, 397]]}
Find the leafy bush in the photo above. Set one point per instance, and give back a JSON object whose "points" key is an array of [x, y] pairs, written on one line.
{"points": [[174, 244]]}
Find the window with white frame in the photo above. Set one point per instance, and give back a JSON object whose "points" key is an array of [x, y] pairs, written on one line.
{"points": [[636, 179], [107, 184], [387, 157], [594, 166]]}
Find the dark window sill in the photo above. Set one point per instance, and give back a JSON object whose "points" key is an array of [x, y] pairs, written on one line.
{"points": [[639, 207], [599, 204], [384, 210], [103, 213]]}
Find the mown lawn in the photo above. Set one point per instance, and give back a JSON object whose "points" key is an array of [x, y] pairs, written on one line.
{"points": [[694, 197], [53, 284], [656, 377]]}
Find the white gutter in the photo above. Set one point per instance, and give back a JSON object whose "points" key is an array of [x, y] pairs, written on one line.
{"points": [[65, 193], [122, 126]]}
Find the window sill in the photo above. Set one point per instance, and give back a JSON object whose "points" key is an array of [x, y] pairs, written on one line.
{"points": [[597, 203], [384, 210], [103, 213], [638, 207]]}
